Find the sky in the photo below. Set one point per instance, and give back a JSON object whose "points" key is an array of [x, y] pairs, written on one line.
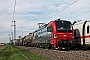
{"points": [[27, 14]]}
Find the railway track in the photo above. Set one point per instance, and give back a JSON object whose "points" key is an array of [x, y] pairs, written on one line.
{"points": [[60, 55], [23, 55]]}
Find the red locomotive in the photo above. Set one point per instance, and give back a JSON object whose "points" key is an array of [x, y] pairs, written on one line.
{"points": [[55, 34]]}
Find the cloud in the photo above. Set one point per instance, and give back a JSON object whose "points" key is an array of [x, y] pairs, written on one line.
{"points": [[4, 39], [29, 13]]}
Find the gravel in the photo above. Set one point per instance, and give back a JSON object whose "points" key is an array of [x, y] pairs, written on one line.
{"points": [[58, 54]]}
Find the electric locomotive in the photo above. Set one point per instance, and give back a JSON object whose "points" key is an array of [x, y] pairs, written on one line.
{"points": [[55, 34]]}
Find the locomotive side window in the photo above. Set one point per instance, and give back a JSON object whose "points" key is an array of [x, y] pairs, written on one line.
{"points": [[87, 29], [44, 31], [49, 29], [35, 35]]}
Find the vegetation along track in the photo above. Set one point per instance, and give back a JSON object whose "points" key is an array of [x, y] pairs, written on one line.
{"points": [[12, 53], [60, 55]]}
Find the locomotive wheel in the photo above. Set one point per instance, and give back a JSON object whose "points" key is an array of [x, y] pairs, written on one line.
{"points": [[45, 46], [37, 45], [52, 47]]}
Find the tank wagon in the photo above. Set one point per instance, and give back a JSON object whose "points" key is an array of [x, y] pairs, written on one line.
{"points": [[26, 40], [20, 41], [82, 34], [17, 42], [29, 39], [55, 34]]}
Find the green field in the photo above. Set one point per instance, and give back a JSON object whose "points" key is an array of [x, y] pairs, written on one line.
{"points": [[13, 53]]}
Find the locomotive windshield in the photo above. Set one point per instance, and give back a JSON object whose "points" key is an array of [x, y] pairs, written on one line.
{"points": [[63, 26]]}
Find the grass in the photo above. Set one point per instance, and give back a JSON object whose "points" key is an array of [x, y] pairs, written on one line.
{"points": [[10, 53], [32, 56]]}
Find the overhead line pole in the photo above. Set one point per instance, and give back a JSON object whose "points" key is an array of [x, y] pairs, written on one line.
{"points": [[9, 38], [12, 36], [14, 24], [14, 31]]}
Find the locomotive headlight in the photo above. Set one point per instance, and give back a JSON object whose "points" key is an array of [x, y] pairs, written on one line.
{"points": [[55, 35], [73, 36]]}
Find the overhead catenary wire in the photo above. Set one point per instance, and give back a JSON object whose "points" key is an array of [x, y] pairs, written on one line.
{"points": [[80, 14], [63, 9], [77, 10], [80, 8], [52, 9]]}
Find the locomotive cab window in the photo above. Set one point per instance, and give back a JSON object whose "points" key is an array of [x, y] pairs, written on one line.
{"points": [[87, 29], [63, 26]]}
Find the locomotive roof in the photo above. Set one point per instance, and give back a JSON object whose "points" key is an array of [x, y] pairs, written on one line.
{"points": [[41, 27], [48, 23], [58, 20]]}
